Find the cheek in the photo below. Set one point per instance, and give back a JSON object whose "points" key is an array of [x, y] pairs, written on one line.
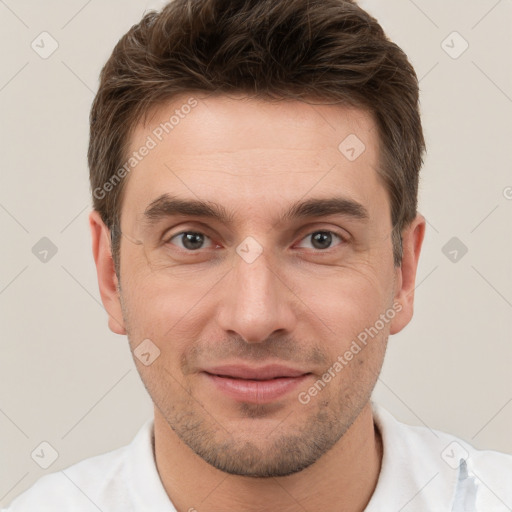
{"points": [[167, 305], [344, 299]]}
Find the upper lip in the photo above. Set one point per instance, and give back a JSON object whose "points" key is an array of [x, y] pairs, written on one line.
{"points": [[271, 371]]}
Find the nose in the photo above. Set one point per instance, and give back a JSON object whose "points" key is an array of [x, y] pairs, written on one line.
{"points": [[256, 301]]}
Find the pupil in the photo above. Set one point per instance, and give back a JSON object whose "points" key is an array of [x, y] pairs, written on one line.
{"points": [[322, 240], [192, 240]]}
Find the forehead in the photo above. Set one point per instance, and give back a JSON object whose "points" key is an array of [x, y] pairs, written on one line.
{"points": [[253, 153]]}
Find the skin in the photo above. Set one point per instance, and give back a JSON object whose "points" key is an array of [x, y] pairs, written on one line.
{"points": [[296, 304]]}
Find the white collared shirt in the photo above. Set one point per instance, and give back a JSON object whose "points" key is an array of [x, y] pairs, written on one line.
{"points": [[423, 470]]}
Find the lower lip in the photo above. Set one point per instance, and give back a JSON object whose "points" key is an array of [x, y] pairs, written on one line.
{"points": [[256, 391]]}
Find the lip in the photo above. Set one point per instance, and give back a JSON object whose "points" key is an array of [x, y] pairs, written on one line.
{"points": [[256, 385], [269, 371]]}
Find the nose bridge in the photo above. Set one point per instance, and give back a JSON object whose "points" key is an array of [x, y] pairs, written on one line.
{"points": [[256, 302]]}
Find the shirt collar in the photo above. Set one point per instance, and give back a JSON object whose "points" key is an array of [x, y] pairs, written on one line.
{"points": [[145, 486], [413, 476]]}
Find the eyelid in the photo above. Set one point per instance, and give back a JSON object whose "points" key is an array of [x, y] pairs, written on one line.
{"points": [[202, 229]]}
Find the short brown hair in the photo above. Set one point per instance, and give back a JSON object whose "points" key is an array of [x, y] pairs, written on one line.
{"points": [[282, 49]]}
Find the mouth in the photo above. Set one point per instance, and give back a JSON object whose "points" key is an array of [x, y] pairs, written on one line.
{"points": [[256, 385]]}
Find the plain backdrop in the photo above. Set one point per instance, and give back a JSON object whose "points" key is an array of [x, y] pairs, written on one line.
{"points": [[68, 381]]}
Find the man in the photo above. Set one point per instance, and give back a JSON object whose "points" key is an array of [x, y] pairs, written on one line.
{"points": [[254, 168]]}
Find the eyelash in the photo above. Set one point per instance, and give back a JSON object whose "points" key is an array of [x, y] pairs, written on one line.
{"points": [[343, 239]]}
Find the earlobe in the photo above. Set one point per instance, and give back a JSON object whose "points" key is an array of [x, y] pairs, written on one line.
{"points": [[107, 279], [412, 240]]}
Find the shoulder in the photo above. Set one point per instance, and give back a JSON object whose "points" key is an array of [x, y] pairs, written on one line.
{"points": [[446, 448], [456, 468], [79, 487], [97, 483]]}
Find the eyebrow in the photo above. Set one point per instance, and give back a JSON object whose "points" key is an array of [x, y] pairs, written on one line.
{"points": [[168, 206]]}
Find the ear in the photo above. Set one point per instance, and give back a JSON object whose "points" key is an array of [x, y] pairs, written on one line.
{"points": [[412, 240], [107, 278]]}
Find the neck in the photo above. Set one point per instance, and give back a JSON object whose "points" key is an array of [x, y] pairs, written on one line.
{"points": [[342, 480]]}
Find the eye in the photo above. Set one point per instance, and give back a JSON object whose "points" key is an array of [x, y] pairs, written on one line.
{"points": [[194, 240], [321, 240], [191, 240]]}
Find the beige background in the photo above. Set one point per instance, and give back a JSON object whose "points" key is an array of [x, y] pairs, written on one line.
{"points": [[67, 380]]}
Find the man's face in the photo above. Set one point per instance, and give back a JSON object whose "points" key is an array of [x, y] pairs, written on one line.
{"points": [[249, 310]]}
